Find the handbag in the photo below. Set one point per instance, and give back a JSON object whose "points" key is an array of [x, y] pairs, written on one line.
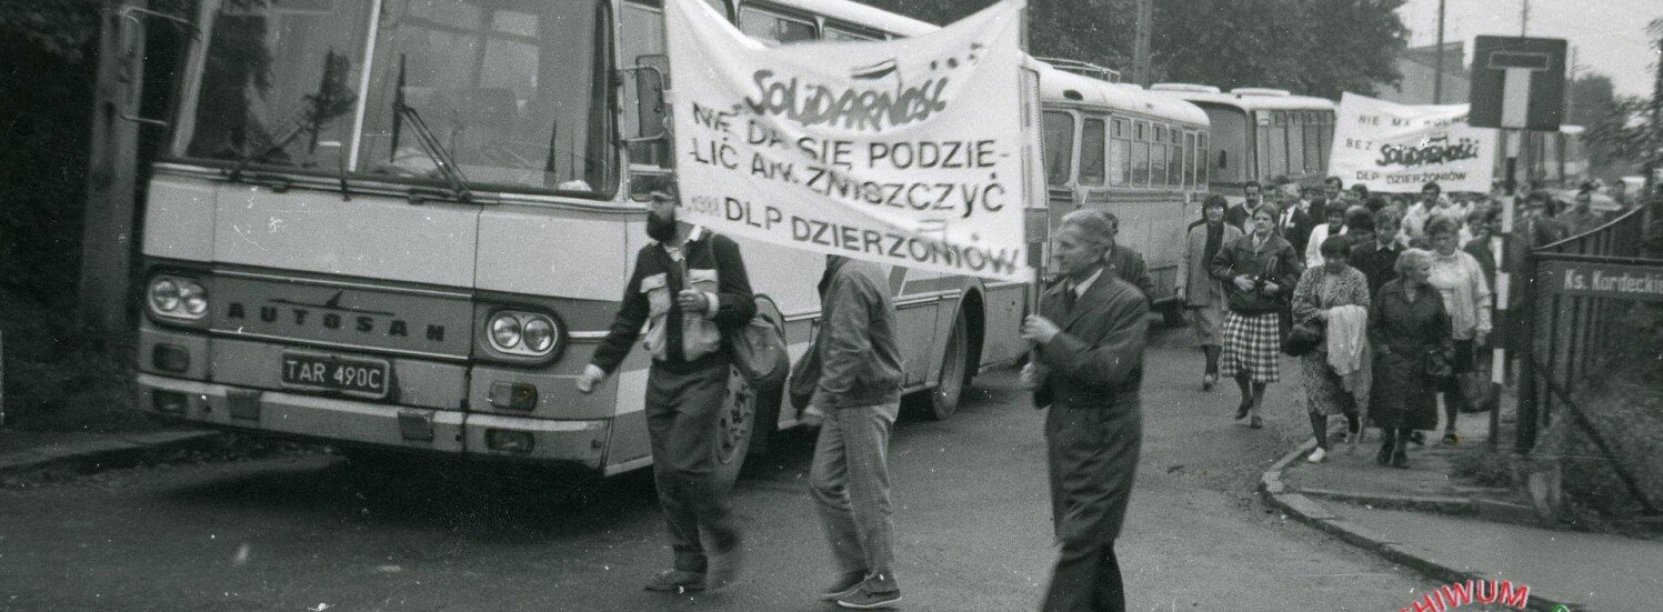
{"points": [[1439, 364], [758, 350], [758, 347], [1304, 338]]}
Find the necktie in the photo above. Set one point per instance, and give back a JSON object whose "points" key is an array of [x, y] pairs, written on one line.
{"points": [[1068, 297]]}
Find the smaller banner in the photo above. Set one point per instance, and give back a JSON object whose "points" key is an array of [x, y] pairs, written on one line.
{"points": [[1397, 148], [906, 152]]}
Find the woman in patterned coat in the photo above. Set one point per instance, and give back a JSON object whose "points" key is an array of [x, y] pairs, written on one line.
{"points": [[1322, 289]]}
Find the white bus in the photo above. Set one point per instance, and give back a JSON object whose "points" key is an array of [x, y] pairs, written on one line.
{"points": [[406, 225], [1260, 134], [1133, 153]]}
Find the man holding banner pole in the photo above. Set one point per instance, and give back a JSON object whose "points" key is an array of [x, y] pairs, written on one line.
{"points": [[1087, 370]]}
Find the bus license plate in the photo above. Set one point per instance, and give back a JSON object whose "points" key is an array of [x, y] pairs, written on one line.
{"points": [[360, 377]]}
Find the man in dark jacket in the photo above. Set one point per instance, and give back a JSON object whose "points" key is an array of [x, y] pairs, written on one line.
{"points": [[1127, 263], [1239, 214], [690, 286], [859, 394], [1088, 369]]}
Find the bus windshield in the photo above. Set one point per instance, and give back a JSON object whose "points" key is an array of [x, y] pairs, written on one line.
{"points": [[516, 91]]}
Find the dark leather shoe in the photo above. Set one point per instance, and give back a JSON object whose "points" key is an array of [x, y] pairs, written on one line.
{"points": [[1256, 423], [1241, 411]]}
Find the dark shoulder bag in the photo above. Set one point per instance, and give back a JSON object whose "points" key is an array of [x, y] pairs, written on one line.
{"points": [[758, 347]]}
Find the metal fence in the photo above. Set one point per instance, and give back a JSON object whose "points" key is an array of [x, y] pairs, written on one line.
{"points": [[1572, 326]]}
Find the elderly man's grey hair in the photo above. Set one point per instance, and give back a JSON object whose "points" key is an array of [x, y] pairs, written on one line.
{"points": [[1096, 227], [1409, 259]]}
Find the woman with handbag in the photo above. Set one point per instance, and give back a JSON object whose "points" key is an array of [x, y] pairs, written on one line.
{"points": [[1330, 291], [1258, 271], [1409, 330], [1459, 280]]}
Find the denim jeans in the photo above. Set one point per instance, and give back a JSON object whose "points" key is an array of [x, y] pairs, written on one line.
{"points": [[850, 484]]}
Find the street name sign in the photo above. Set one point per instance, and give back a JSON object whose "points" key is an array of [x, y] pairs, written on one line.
{"points": [[1518, 83], [1643, 283]]}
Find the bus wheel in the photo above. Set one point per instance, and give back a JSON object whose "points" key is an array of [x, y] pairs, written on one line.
{"points": [[955, 368], [733, 430]]}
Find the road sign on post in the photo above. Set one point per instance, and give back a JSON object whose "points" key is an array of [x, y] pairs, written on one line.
{"points": [[1518, 83]]}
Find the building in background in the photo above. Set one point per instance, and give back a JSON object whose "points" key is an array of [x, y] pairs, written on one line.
{"points": [[1418, 65]]}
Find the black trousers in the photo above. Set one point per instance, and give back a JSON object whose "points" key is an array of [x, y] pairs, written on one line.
{"points": [[682, 414]]}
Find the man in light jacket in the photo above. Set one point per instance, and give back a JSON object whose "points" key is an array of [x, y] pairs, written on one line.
{"points": [[859, 394]]}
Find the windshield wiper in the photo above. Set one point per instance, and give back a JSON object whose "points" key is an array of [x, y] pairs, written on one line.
{"points": [[332, 99], [425, 139]]}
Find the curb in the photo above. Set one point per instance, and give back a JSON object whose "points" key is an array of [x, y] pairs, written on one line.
{"points": [[1278, 495], [117, 449]]}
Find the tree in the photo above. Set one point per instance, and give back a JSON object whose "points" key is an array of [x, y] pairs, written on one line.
{"points": [[1592, 95], [1313, 47]]}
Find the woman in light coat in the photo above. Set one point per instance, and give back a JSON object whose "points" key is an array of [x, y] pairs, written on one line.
{"points": [[1459, 281], [1202, 295]]}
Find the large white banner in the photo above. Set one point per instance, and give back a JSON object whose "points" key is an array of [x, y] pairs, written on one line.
{"points": [[1394, 147], [905, 152]]}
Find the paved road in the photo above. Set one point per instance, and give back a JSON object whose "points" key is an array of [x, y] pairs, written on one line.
{"points": [[312, 532]]}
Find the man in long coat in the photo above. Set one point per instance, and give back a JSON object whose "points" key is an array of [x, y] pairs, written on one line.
{"points": [[1088, 369]]}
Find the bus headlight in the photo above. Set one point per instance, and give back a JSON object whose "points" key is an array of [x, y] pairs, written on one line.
{"points": [[505, 331], [525, 334], [539, 334], [177, 297]]}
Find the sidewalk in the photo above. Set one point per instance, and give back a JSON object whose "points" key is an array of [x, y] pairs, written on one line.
{"points": [[1451, 532], [26, 451]]}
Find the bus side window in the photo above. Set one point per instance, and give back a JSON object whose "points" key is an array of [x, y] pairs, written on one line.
{"points": [[1325, 136], [1313, 147], [1092, 171], [1202, 169], [1175, 159], [1157, 157], [1189, 159], [1120, 152], [1291, 133], [1058, 141], [1140, 154], [644, 112], [1260, 170], [773, 28]]}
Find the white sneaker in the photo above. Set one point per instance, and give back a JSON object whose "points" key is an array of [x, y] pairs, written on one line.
{"points": [[1317, 455]]}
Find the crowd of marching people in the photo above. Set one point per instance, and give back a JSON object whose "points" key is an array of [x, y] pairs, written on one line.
{"points": [[1387, 303]]}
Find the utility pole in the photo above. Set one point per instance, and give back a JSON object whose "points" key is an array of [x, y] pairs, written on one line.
{"points": [[1524, 19], [1140, 42], [112, 173], [1570, 88], [1655, 129], [1438, 75]]}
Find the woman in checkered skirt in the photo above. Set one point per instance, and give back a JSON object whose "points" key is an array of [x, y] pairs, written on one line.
{"points": [[1259, 271]]}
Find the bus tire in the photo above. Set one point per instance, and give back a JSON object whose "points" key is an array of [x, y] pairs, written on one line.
{"points": [[734, 427], [955, 371]]}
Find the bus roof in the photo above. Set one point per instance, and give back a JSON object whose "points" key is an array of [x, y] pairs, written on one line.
{"points": [[1056, 85], [1244, 98], [862, 15]]}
